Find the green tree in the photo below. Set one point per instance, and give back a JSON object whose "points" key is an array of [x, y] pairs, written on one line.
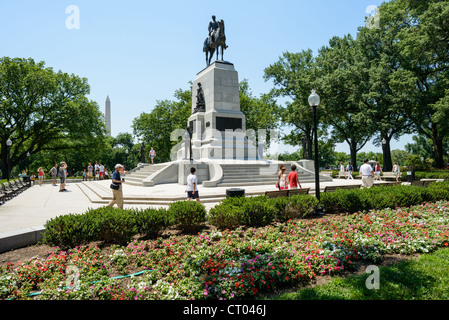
{"points": [[340, 83], [383, 87], [293, 77], [422, 36], [44, 110]]}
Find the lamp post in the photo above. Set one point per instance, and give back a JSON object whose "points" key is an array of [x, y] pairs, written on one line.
{"points": [[126, 156], [28, 162], [384, 142], [9, 144], [314, 101]]}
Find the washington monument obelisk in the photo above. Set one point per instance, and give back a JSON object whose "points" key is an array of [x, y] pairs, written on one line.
{"points": [[107, 115]]}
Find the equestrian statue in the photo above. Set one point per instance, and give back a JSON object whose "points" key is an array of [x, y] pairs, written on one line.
{"points": [[215, 40]]}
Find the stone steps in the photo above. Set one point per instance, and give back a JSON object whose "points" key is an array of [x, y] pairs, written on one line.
{"points": [[97, 193], [136, 177]]}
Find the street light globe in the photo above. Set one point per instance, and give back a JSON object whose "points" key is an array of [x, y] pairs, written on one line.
{"points": [[8, 142], [314, 99], [28, 154], [384, 141]]}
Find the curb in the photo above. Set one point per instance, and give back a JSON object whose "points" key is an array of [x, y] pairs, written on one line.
{"points": [[20, 238]]}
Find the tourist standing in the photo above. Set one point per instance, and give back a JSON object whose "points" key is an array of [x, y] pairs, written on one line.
{"points": [[396, 171], [377, 171], [152, 155], [62, 176], [366, 171], [96, 170], [101, 169], [40, 175], [350, 170], [293, 178], [84, 175], [192, 186], [116, 186], [54, 173], [90, 170]]}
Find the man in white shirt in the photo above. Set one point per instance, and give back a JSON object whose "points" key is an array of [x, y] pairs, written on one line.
{"points": [[192, 186], [366, 171]]}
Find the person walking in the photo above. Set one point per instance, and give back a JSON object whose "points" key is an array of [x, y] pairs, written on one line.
{"points": [[293, 178], [350, 170], [62, 176], [341, 173], [396, 171], [54, 173], [366, 171], [192, 186], [40, 174], [152, 155], [116, 186], [377, 171], [282, 178]]}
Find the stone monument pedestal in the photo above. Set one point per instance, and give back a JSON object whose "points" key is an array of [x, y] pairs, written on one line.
{"points": [[218, 127]]}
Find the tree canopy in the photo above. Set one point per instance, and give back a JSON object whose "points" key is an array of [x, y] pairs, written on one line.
{"points": [[44, 110]]}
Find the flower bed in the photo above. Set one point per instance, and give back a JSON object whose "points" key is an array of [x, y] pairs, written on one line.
{"points": [[228, 264]]}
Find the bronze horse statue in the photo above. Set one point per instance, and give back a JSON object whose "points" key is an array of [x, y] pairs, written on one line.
{"points": [[214, 42]]}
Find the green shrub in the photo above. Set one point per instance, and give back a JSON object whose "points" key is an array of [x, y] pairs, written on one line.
{"points": [[187, 215], [439, 190], [258, 212], [343, 200], [114, 225], [225, 216], [379, 197], [151, 222], [68, 231], [294, 207]]}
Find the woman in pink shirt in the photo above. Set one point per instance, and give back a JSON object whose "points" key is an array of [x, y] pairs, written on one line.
{"points": [[40, 175]]}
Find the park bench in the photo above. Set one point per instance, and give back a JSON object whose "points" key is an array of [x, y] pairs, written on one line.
{"points": [[3, 196], [293, 192], [277, 193], [23, 183], [387, 184], [418, 183], [286, 193], [15, 187], [333, 188], [18, 185], [8, 191], [388, 176]]}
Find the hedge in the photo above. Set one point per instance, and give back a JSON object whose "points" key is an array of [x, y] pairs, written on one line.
{"points": [[378, 197], [260, 211], [113, 225], [107, 224]]}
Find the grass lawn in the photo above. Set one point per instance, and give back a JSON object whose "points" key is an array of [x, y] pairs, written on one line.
{"points": [[426, 278]]}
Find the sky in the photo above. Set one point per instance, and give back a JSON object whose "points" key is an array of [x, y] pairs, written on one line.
{"points": [[139, 52]]}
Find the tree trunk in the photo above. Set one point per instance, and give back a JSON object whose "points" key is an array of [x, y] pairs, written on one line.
{"points": [[353, 151], [438, 152], [4, 159], [386, 151]]}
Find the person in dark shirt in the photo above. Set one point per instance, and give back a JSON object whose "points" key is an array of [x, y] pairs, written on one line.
{"points": [[117, 194]]}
